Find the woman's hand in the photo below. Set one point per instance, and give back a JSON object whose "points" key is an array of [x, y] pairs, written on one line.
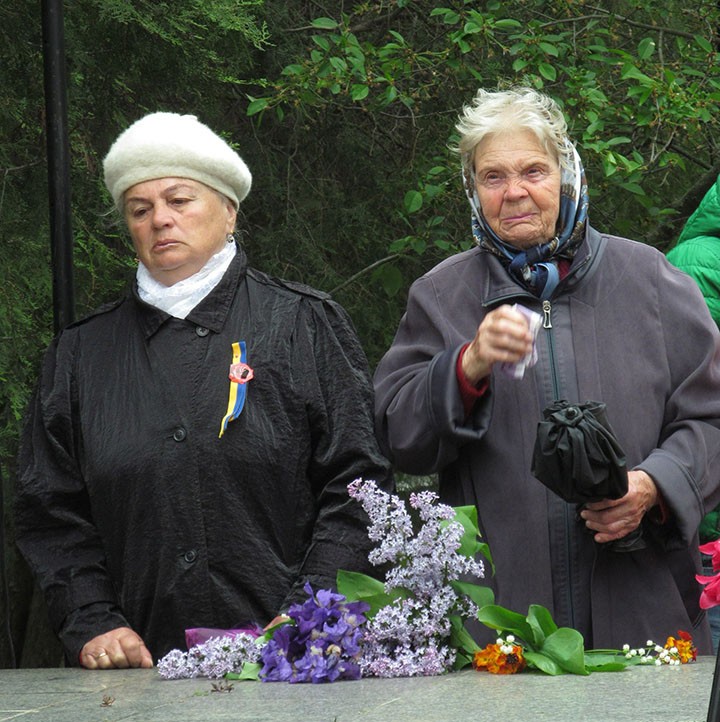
{"points": [[117, 649], [503, 335], [616, 518]]}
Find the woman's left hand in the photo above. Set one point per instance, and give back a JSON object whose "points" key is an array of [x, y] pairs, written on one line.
{"points": [[119, 648], [613, 519]]}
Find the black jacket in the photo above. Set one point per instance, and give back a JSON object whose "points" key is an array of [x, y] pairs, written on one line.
{"points": [[132, 511]]}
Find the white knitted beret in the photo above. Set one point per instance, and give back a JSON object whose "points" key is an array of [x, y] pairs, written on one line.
{"points": [[165, 145]]}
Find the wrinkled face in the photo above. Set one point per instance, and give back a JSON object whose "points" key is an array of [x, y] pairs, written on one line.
{"points": [[518, 185], [176, 225]]}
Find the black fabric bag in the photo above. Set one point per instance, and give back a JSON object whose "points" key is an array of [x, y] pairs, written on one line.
{"points": [[577, 455], [578, 458]]}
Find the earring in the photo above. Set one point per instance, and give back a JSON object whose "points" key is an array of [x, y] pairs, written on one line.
{"points": [[230, 238]]}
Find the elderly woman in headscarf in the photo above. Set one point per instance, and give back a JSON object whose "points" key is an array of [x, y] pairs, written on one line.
{"points": [[463, 387], [186, 456]]}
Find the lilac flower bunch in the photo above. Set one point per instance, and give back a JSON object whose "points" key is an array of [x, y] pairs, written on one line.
{"points": [[213, 658], [411, 634], [322, 645]]}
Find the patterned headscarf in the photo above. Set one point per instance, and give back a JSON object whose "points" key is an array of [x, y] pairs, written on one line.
{"points": [[535, 268]]}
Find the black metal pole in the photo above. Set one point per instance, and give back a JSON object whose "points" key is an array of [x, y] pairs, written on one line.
{"points": [[58, 158], [714, 705]]}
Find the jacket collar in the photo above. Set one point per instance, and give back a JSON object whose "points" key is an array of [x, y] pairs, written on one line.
{"points": [[501, 287], [210, 313]]}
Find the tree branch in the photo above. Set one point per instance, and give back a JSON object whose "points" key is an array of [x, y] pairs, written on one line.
{"points": [[365, 270], [605, 14]]}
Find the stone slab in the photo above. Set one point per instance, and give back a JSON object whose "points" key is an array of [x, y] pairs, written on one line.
{"points": [[640, 694]]}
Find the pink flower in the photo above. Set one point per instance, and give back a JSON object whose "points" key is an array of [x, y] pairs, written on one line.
{"points": [[710, 596], [712, 549]]}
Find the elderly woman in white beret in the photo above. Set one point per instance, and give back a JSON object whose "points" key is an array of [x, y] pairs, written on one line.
{"points": [[457, 392], [186, 456]]}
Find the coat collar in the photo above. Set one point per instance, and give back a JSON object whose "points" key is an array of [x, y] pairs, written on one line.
{"points": [[501, 287], [210, 313]]}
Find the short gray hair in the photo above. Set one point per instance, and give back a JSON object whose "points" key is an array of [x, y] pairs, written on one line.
{"points": [[515, 109]]}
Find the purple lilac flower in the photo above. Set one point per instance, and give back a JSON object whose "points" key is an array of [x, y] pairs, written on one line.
{"points": [[410, 636], [322, 645]]}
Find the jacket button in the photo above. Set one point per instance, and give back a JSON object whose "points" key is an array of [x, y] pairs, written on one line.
{"points": [[190, 556], [179, 434], [202, 331]]}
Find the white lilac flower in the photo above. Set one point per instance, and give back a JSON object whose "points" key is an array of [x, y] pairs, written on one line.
{"points": [[213, 658]]}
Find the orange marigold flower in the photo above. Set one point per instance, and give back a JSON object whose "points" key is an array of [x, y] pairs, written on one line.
{"points": [[683, 643], [500, 659]]}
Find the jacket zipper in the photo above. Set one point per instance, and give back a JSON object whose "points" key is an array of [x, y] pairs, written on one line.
{"points": [[547, 325]]}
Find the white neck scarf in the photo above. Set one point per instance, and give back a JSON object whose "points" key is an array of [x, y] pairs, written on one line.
{"points": [[180, 298]]}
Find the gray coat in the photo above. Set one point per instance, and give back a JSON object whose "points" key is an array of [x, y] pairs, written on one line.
{"points": [[623, 327]]}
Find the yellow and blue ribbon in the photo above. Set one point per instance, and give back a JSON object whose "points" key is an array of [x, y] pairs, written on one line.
{"points": [[238, 391]]}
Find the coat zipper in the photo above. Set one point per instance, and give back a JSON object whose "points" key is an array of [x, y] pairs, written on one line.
{"points": [[547, 325]]}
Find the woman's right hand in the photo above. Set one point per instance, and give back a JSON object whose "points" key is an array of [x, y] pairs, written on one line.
{"points": [[503, 335], [117, 649]]}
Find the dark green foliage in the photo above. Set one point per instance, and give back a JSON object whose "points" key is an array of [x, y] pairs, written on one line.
{"points": [[344, 113]]}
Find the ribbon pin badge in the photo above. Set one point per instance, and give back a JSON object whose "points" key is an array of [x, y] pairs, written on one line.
{"points": [[240, 373]]}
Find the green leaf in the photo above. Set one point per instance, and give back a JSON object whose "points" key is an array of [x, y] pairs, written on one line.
{"points": [[507, 24], [339, 64], [321, 41], [601, 660], [462, 641], [399, 244], [470, 544], [566, 647], [633, 188], [504, 620], [619, 139], [324, 23], [630, 72], [257, 105], [549, 49], [482, 596], [392, 281], [413, 201], [547, 71], [704, 43], [292, 70], [359, 92], [542, 623], [249, 671], [646, 48], [355, 585], [543, 663], [450, 17], [419, 245]]}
